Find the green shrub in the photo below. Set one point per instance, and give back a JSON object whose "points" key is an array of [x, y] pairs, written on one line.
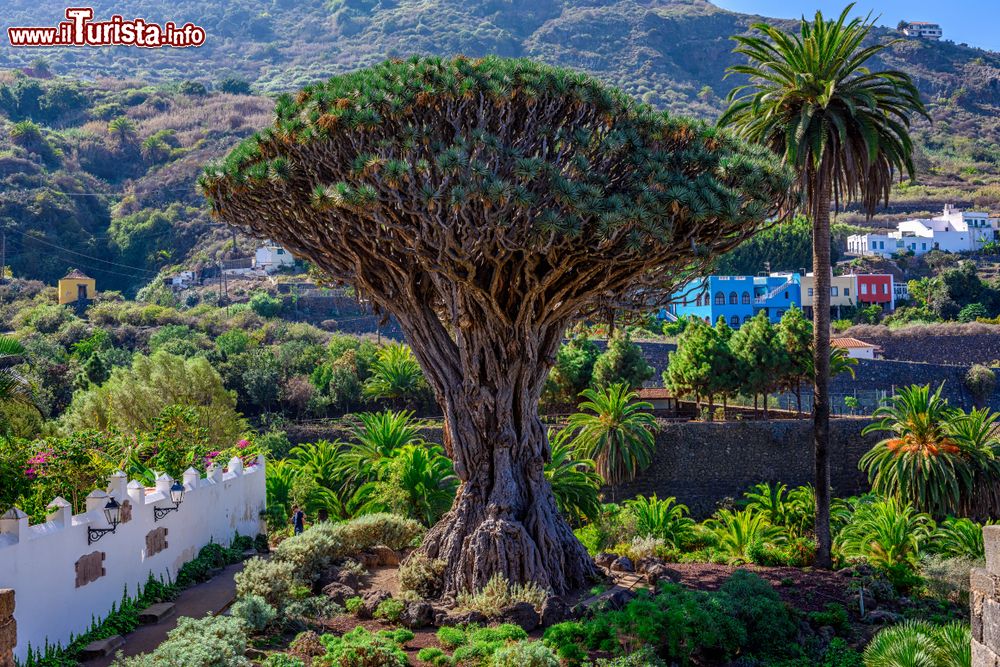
{"points": [[833, 615], [768, 622], [212, 641], [499, 593], [642, 658], [399, 635], [525, 654], [353, 604], [270, 579], [568, 640], [507, 632], [255, 612], [451, 637], [475, 653], [389, 610], [665, 519], [283, 660], [361, 648], [422, 575]]}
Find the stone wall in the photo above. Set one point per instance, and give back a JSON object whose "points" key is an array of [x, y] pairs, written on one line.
{"points": [[985, 596], [703, 463], [8, 628], [944, 348]]}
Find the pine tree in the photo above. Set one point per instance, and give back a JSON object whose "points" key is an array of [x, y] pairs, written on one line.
{"points": [[623, 361], [795, 334], [762, 356]]}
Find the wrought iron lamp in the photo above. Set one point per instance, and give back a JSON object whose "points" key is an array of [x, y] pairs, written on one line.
{"points": [[176, 497], [112, 512]]}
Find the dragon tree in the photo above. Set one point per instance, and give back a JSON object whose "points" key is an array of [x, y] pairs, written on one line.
{"points": [[487, 205]]}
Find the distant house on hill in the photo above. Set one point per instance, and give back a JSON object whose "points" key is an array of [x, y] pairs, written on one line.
{"points": [[76, 286], [270, 258], [857, 349], [952, 231], [921, 29]]}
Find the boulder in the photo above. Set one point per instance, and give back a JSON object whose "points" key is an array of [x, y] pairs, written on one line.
{"points": [[418, 614], [884, 616], [385, 557], [658, 572], [613, 599], [338, 592], [605, 559], [370, 602], [347, 577], [554, 610], [622, 564], [458, 617], [522, 614]]}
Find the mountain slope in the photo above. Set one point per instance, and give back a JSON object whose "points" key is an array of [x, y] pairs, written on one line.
{"points": [[75, 184]]}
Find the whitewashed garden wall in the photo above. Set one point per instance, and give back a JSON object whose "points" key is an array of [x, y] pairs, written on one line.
{"points": [[61, 582]]}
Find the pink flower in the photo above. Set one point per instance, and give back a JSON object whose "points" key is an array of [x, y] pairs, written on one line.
{"points": [[30, 473], [242, 444]]}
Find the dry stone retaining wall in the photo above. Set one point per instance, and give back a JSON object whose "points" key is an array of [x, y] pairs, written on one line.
{"points": [[986, 604]]}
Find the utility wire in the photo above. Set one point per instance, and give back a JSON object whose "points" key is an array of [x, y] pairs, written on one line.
{"points": [[80, 254]]}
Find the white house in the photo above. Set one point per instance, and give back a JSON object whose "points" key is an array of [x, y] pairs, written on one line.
{"points": [[181, 280], [900, 291], [923, 29], [270, 258], [856, 349], [952, 231]]}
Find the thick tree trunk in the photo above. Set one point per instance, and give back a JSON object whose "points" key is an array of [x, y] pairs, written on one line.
{"points": [[821, 382], [504, 520]]}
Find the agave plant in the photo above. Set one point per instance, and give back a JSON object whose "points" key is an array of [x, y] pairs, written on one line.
{"points": [[666, 519], [958, 538], [574, 481], [934, 452], [886, 533], [920, 644], [614, 431], [736, 531]]}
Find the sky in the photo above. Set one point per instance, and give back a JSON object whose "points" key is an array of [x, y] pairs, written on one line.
{"points": [[971, 21]]}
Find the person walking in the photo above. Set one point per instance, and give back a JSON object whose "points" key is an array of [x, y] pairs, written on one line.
{"points": [[298, 520]]}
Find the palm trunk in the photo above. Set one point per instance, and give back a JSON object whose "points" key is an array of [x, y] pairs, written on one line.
{"points": [[821, 364]]}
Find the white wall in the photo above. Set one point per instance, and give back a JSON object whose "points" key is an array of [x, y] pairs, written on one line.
{"points": [[39, 562]]}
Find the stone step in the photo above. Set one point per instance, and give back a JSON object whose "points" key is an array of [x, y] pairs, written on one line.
{"points": [[102, 647], [155, 613]]}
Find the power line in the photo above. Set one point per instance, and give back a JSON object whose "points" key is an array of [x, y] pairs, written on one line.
{"points": [[80, 254]]}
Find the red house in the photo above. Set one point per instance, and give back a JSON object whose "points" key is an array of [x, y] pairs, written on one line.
{"points": [[876, 289]]}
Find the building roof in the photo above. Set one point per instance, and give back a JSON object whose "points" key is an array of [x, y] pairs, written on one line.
{"points": [[653, 393], [76, 274], [848, 343]]}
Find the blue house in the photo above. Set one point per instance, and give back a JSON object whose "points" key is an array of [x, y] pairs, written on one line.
{"points": [[735, 298]]}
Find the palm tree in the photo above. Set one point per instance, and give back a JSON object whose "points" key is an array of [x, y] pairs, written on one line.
{"points": [[395, 375], [417, 480], [845, 130], [378, 436], [123, 130], [574, 481], [14, 389], [933, 454], [616, 433]]}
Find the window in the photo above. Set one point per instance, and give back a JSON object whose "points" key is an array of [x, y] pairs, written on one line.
{"points": [[280, 251], [746, 298], [847, 291], [833, 291], [779, 314], [734, 321], [746, 318], [881, 245], [720, 299], [786, 294], [885, 288], [697, 301], [923, 246], [864, 288], [874, 245], [810, 291], [734, 299]]}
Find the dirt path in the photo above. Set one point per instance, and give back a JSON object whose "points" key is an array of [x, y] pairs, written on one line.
{"points": [[213, 597]]}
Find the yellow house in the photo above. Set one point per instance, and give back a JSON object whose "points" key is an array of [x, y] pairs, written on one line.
{"points": [[76, 286], [843, 292]]}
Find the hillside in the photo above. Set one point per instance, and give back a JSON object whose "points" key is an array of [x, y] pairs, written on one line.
{"points": [[128, 197]]}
